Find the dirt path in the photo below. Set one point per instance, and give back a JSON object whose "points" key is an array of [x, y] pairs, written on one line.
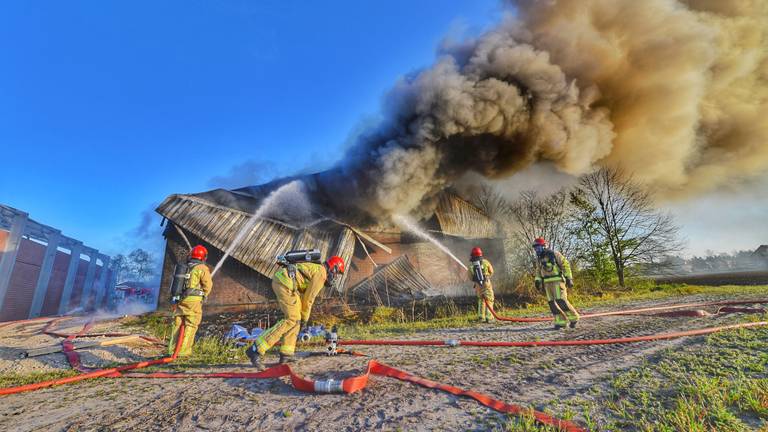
{"points": [[527, 376]]}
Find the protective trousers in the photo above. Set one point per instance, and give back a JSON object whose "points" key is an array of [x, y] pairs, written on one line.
{"points": [[287, 329], [484, 292], [561, 308], [190, 311]]}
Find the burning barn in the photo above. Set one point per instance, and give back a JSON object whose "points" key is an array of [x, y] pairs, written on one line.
{"points": [[386, 265]]}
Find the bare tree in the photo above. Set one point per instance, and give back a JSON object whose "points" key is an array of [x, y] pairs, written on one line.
{"points": [[121, 267], [523, 220], [493, 204], [635, 231], [549, 217], [141, 264]]}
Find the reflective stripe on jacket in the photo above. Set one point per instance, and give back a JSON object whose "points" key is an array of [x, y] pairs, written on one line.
{"points": [[549, 265], [485, 265], [310, 279]]}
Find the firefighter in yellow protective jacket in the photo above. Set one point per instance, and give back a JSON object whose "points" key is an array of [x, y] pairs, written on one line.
{"points": [[295, 296], [189, 308], [553, 273], [480, 271]]}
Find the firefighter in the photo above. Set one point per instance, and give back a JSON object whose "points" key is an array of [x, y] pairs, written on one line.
{"points": [[190, 307], [482, 283], [295, 297], [553, 273]]}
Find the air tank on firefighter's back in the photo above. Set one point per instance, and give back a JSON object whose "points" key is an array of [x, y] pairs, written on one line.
{"points": [[299, 256], [179, 281]]}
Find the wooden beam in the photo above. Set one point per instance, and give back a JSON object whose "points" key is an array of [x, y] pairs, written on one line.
{"points": [[365, 249], [69, 281], [183, 236], [45, 274], [8, 259], [369, 239]]}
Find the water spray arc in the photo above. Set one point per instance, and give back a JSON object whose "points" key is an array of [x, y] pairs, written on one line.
{"points": [[288, 195], [411, 226]]}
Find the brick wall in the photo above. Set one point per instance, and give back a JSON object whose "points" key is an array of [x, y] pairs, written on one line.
{"points": [[21, 288], [56, 284], [77, 288], [234, 283]]}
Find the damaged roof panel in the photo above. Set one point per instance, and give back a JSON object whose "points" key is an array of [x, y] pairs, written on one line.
{"points": [[396, 282], [219, 226], [457, 217]]}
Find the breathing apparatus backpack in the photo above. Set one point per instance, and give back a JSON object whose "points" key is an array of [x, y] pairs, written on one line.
{"points": [[477, 271], [291, 258], [180, 281]]}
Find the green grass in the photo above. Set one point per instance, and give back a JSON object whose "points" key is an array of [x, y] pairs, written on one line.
{"points": [[388, 322], [719, 386], [208, 350], [380, 327], [16, 379]]}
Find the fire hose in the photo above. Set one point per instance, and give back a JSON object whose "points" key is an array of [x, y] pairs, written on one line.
{"points": [[347, 385], [722, 310], [526, 344], [357, 383]]}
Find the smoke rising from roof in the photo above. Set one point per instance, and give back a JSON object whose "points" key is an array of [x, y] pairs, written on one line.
{"points": [[675, 92]]}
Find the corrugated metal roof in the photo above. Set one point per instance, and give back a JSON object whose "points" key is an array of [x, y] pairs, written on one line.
{"points": [[457, 217], [396, 282], [265, 239]]}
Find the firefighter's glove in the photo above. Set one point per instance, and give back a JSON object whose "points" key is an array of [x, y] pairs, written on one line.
{"points": [[568, 283], [537, 283], [175, 299]]}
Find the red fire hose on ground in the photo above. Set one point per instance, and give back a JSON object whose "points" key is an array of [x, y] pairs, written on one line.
{"points": [[348, 385], [526, 344], [642, 311], [357, 383], [115, 371]]}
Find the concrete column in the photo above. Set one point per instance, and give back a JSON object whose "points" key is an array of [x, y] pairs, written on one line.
{"points": [[90, 275], [45, 274], [69, 282], [8, 259], [101, 285], [111, 283]]}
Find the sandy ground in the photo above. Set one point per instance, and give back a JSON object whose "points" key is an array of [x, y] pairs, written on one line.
{"points": [[527, 376]]}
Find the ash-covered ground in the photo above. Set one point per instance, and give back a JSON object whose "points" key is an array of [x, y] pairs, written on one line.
{"points": [[552, 378]]}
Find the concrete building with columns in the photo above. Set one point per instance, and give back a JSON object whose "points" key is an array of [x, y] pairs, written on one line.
{"points": [[45, 273]]}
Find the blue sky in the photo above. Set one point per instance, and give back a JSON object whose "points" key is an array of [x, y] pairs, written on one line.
{"points": [[108, 107]]}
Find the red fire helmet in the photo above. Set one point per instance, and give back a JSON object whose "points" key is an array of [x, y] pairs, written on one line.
{"points": [[476, 252], [335, 263], [199, 252], [540, 242]]}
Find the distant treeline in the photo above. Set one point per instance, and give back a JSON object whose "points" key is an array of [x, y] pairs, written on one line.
{"points": [[719, 262]]}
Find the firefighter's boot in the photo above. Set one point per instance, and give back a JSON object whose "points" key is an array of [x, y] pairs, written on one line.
{"points": [[287, 358], [256, 359]]}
